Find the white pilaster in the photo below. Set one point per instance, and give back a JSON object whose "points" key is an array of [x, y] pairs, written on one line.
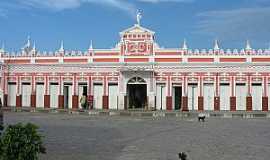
{"points": [[121, 102]]}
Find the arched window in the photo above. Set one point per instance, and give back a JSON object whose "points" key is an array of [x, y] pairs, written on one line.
{"points": [[136, 80]]}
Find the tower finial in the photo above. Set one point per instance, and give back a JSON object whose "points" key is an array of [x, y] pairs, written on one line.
{"points": [[248, 47], [28, 44], [139, 17], [91, 45], [216, 45], [185, 47], [2, 49], [3, 46], [34, 47], [62, 47]]}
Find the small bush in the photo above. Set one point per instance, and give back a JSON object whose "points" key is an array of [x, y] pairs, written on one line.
{"points": [[21, 142]]}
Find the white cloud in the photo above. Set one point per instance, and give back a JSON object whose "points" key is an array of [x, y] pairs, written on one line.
{"points": [[119, 4], [128, 6], [238, 24], [58, 5], [52, 4], [158, 1]]}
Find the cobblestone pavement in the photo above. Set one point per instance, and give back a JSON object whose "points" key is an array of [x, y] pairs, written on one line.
{"points": [[69, 137]]}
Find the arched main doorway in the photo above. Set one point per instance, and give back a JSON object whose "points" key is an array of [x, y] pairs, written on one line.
{"points": [[137, 93]]}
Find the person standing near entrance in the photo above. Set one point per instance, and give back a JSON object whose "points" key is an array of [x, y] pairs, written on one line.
{"points": [[83, 101]]}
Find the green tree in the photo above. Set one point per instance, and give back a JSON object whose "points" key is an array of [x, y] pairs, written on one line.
{"points": [[21, 142]]}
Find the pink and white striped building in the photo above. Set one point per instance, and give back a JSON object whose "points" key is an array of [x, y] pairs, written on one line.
{"points": [[138, 74]]}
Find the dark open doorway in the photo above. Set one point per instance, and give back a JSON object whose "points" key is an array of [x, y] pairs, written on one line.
{"points": [[137, 93], [137, 96], [85, 90], [177, 97], [66, 95]]}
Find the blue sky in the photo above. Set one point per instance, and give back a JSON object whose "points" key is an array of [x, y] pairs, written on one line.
{"points": [[77, 22]]}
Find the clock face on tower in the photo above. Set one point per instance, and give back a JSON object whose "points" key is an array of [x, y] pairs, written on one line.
{"points": [[137, 48]]}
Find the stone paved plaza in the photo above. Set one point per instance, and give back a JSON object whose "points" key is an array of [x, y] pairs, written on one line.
{"points": [[80, 137]]}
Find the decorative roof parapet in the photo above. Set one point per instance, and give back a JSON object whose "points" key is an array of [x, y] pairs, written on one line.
{"points": [[191, 52], [28, 50]]}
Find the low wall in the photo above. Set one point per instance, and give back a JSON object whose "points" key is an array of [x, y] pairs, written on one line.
{"points": [[191, 114]]}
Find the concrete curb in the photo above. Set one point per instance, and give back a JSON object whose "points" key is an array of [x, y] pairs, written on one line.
{"points": [[177, 114]]}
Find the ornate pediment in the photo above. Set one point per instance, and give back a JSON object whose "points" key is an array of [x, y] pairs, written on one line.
{"points": [[136, 29], [137, 41]]}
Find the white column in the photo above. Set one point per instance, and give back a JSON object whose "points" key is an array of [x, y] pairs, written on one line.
{"points": [[169, 86], [18, 85], [74, 84], [232, 84], [122, 93], [185, 86], [33, 83], [151, 94], [201, 86], [46, 85], [61, 85], [265, 86], [217, 86], [90, 86], [105, 86]]}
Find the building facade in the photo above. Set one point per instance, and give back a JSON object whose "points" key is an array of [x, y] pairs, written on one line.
{"points": [[138, 74]]}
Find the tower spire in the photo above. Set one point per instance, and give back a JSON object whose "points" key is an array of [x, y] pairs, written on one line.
{"points": [[2, 47], [26, 49], [248, 46], [2, 50], [184, 47], [34, 47], [62, 47], [28, 44], [34, 50], [216, 45], [91, 45]]}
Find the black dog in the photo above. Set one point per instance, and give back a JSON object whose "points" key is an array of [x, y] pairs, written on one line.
{"points": [[201, 117], [182, 156]]}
